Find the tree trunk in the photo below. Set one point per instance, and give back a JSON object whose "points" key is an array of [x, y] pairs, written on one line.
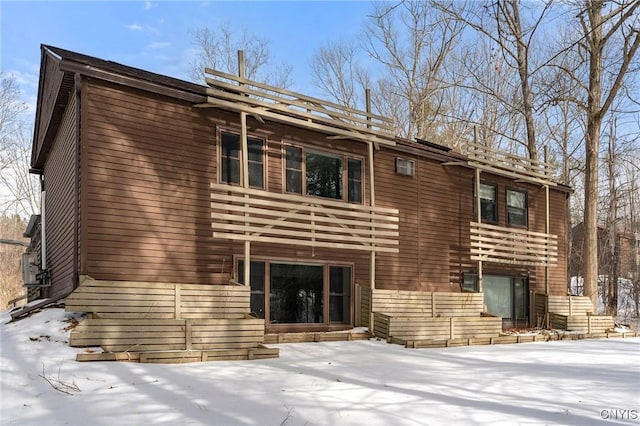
{"points": [[592, 140]]}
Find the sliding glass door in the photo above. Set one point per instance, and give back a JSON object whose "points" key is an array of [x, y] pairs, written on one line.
{"points": [[292, 293], [506, 297]]}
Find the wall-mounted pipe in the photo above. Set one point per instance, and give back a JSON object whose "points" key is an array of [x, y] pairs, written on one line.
{"points": [[43, 221]]}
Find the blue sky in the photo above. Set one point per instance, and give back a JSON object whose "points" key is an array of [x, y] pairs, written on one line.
{"points": [[155, 35]]}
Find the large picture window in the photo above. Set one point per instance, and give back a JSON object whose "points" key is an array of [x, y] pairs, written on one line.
{"points": [[516, 208], [323, 174], [231, 160]]}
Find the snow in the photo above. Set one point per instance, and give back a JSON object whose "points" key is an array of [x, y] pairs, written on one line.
{"points": [[334, 383]]}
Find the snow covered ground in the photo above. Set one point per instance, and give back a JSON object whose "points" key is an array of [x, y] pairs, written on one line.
{"points": [[344, 383]]}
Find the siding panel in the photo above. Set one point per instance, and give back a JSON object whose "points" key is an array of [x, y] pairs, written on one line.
{"points": [[61, 173]]}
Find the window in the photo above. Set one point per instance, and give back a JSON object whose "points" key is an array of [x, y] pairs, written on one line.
{"points": [[469, 282], [230, 160], [506, 297], [296, 293], [230, 166], [339, 291], [284, 293], [405, 167], [324, 174], [488, 203], [354, 184], [256, 159], [256, 281], [294, 169], [516, 208]]}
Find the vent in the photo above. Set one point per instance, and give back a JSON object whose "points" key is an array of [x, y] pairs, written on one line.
{"points": [[405, 166]]}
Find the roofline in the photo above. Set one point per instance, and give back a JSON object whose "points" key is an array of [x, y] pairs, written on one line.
{"points": [[71, 63]]}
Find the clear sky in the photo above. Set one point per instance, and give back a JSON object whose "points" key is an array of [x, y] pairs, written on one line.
{"points": [[155, 35]]}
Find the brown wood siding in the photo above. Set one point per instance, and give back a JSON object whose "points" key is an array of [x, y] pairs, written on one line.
{"points": [[149, 161], [60, 184], [436, 207], [49, 93]]}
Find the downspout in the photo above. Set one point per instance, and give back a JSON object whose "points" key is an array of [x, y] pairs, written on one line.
{"points": [[43, 221], [76, 234]]}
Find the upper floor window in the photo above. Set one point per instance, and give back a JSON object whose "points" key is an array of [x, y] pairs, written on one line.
{"points": [[231, 160], [324, 174], [488, 202], [354, 181], [516, 207]]}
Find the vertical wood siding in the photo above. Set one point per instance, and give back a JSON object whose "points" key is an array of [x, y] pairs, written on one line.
{"points": [[60, 184]]}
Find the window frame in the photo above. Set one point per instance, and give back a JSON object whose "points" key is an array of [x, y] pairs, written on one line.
{"points": [[495, 203], [220, 158], [525, 209], [326, 265], [345, 157], [409, 171], [474, 288]]}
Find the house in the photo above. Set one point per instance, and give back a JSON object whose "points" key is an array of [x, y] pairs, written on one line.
{"points": [[626, 244], [618, 267], [144, 182]]}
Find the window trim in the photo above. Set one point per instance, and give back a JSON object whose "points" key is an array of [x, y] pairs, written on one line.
{"points": [[345, 156], [265, 148], [526, 207]]}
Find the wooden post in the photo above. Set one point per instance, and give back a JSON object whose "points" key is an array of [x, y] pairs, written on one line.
{"points": [[187, 335], [177, 301], [570, 306], [372, 203], [546, 230], [433, 304], [452, 330], [372, 195], [245, 174], [479, 220]]}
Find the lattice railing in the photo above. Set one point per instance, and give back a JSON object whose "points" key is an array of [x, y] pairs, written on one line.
{"points": [[260, 216], [499, 244]]}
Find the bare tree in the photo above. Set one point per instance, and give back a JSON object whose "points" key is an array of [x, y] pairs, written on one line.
{"points": [[18, 189], [601, 23], [218, 48], [21, 189], [413, 41], [503, 24], [338, 74], [407, 44]]}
